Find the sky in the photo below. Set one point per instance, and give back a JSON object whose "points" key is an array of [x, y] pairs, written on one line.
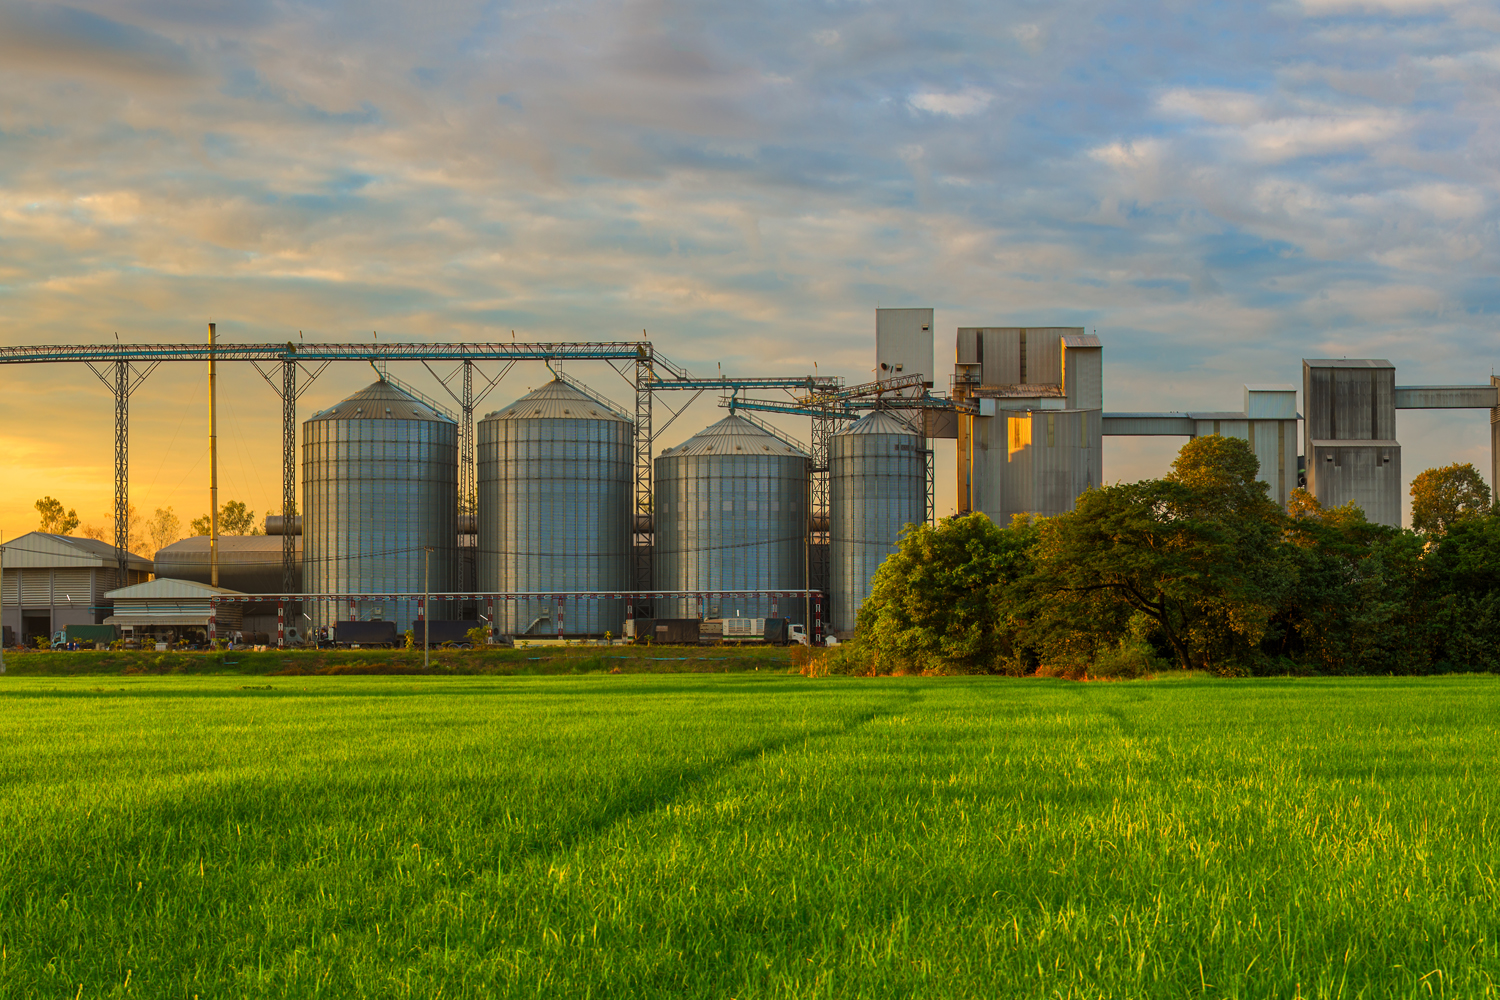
{"points": [[1218, 190]]}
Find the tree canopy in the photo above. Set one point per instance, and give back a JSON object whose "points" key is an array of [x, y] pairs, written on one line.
{"points": [[54, 519], [1440, 497], [234, 519], [1199, 569]]}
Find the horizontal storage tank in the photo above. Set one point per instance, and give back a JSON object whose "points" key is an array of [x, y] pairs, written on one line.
{"points": [[250, 564], [877, 484], [379, 486], [556, 478], [731, 513]]}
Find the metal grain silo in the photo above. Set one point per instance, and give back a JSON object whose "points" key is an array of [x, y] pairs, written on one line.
{"points": [[556, 489], [731, 514], [379, 485], [877, 484]]}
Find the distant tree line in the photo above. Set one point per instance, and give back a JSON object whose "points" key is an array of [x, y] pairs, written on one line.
{"points": [[1197, 570], [162, 529]]}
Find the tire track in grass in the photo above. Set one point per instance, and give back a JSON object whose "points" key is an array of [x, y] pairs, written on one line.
{"points": [[643, 801]]}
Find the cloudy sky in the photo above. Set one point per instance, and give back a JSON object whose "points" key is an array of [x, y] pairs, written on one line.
{"points": [[1218, 189]]}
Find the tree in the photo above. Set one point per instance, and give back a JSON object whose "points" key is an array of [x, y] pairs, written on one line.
{"points": [[93, 531], [1440, 497], [165, 527], [234, 519], [934, 601], [1193, 553], [55, 520]]}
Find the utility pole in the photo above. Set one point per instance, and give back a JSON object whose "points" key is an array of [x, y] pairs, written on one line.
{"points": [[213, 467], [426, 603]]}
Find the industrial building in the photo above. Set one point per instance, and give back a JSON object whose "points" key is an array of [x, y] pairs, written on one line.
{"points": [[52, 581], [164, 610], [558, 513], [248, 564], [1033, 441]]}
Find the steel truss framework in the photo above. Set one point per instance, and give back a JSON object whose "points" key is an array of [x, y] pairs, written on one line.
{"points": [[652, 374]]}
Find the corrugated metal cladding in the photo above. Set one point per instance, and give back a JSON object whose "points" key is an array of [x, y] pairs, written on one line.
{"points": [[1369, 473], [556, 483], [731, 514], [379, 483], [1035, 461], [1015, 355], [1349, 435], [1350, 400], [250, 564], [877, 485]]}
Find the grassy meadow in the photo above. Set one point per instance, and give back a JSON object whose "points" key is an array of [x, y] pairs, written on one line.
{"points": [[747, 835]]}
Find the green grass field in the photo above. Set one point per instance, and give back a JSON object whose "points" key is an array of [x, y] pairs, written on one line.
{"points": [[749, 835]]}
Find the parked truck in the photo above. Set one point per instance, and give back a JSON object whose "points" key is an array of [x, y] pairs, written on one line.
{"points": [[374, 633], [81, 634], [444, 633], [664, 631], [713, 631]]}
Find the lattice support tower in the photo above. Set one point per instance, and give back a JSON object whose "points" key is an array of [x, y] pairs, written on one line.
{"points": [[123, 381], [643, 535]]}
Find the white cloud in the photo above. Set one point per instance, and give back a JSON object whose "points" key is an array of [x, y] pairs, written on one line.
{"points": [[954, 104]]}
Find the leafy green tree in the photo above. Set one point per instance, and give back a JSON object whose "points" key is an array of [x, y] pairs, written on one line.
{"points": [[1326, 581], [56, 520], [937, 602], [234, 519], [1194, 553], [1440, 497]]}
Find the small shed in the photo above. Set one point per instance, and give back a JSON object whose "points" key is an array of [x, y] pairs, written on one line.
{"points": [[173, 609]]}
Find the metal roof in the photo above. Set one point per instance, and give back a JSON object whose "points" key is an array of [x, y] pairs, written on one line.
{"points": [[733, 435], [1346, 363], [878, 422], [1076, 340], [380, 401], [168, 589], [557, 400], [40, 550]]}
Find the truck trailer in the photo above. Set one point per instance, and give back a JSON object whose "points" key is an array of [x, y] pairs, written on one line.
{"points": [[91, 634], [376, 633], [443, 632]]}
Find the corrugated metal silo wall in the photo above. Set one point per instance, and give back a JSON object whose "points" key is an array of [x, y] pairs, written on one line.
{"points": [[877, 485], [731, 522], [374, 494], [555, 501]]}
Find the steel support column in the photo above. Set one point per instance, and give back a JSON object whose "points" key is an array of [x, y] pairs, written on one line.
{"points": [[643, 531], [824, 426], [288, 474], [122, 472], [123, 381], [468, 504]]}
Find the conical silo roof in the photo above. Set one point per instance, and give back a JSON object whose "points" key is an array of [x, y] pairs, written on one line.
{"points": [[557, 400], [381, 401], [730, 436], [879, 422]]}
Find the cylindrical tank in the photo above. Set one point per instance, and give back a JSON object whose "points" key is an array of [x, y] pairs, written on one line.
{"points": [[379, 487], [556, 485], [731, 513], [877, 484]]}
